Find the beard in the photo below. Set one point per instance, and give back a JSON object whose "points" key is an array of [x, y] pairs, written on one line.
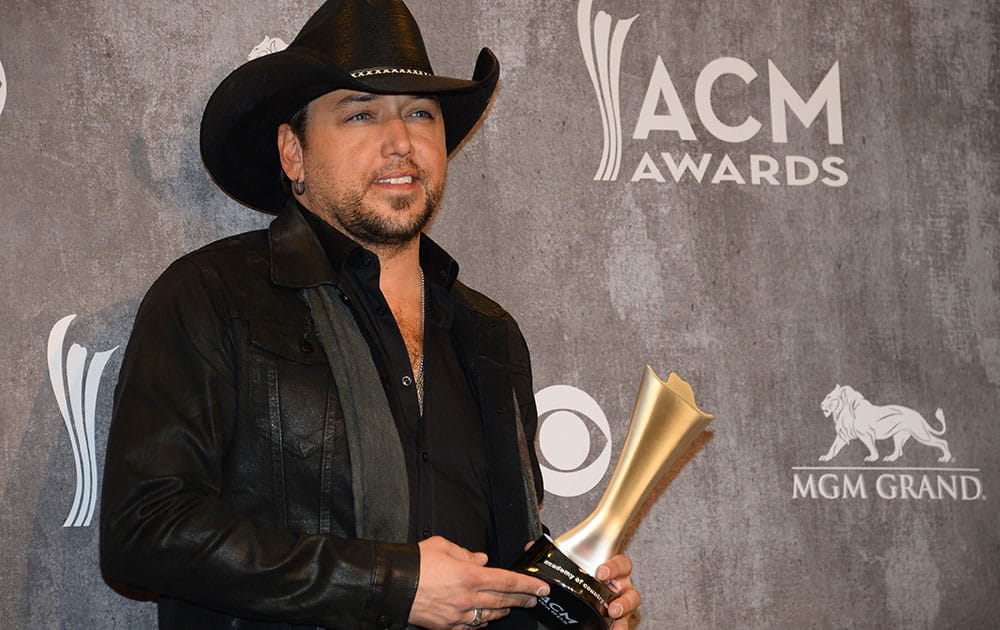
{"points": [[367, 224]]}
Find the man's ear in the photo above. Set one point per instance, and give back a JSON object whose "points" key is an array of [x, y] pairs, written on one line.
{"points": [[290, 152]]}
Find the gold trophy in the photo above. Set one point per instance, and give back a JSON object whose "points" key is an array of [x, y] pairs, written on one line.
{"points": [[665, 422]]}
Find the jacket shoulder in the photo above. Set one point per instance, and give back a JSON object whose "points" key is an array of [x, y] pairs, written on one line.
{"points": [[479, 303], [231, 275], [231, 253], [228, 261], [484, 309]]}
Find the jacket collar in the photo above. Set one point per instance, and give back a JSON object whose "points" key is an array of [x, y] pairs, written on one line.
{"points": [[299, 258]]}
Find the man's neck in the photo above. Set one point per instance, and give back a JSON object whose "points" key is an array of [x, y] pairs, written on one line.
{"points": [[399, 266], [401, 283]]}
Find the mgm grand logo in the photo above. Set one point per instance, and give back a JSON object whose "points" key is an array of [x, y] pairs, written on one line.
{"points": [[856, 421]]}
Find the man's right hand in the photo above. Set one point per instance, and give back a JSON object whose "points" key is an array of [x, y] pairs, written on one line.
{"points": [[454, 582]]}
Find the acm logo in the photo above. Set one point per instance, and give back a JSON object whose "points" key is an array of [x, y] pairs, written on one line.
{"points": [[3, 88], [663, 111], [602, 52], [267, 46], [75, 383]]}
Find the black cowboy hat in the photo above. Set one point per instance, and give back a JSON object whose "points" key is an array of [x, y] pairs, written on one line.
{"points": [[365, 45]]}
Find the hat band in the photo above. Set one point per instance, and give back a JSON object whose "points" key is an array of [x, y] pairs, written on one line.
{"points": [[374, 72]]}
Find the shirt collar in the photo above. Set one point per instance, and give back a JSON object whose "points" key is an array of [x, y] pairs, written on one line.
{"points": [[307, 251]]}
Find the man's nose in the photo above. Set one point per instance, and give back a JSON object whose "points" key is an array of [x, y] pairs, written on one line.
{"points": [[396, 138]]}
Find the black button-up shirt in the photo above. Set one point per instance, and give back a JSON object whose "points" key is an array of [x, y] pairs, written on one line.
{"points": [[444, 448]]}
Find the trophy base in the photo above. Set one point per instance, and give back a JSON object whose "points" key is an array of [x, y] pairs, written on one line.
{"points": [[575, 598]]}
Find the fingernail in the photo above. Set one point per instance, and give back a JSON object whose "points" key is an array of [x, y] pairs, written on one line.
{"points": [[603, 573], [543, 590], [616, 610]]}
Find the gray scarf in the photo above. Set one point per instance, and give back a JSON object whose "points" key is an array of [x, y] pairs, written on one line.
{"points": [[378, 470]]}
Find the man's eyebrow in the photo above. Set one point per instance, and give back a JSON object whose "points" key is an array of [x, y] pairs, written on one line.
{"points": [[358, 98], [367, 97]]}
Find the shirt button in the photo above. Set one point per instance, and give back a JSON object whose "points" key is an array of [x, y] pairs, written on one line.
{"points": [[383, 621], [427, 533], [344, 298], [381, 311], [407, 381], [425, 456]]}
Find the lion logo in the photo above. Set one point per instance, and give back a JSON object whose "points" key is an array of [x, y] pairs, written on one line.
{"points": [[856, 418]]}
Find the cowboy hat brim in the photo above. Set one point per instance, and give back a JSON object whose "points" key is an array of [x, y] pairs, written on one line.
{"points": [[240, 124]]}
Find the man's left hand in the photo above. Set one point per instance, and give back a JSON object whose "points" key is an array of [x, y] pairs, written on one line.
{"points": [[617, 574]]}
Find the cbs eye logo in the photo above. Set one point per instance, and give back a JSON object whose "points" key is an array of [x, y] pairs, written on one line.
{"points": [[572, 427]]}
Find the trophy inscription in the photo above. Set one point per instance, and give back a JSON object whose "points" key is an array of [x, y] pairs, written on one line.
{"points": [[665, 422]]}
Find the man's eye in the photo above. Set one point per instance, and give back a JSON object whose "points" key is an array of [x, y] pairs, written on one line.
{"points": [[422, 113], [360, 116]]}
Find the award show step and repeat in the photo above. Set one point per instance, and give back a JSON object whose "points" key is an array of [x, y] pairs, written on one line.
{"points": [[793, 206]]}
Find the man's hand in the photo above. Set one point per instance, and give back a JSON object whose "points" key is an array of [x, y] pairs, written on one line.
{"points": [[454, 582], [617, 574]]}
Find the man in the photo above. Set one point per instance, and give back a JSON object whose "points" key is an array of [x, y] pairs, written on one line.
{"points": [[297, 408]]}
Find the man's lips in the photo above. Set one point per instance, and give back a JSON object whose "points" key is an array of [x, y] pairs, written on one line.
{"points": [[402, 173], [396, 180]]}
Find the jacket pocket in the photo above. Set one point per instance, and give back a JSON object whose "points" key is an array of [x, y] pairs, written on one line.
{"points": [[291, 380]]}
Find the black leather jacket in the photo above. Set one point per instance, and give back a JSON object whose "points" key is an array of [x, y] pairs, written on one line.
{"points": [[226, 462]]}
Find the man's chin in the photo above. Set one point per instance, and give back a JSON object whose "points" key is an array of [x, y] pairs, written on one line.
{"points": [[402, 203], [396, 228], [387, 219]]}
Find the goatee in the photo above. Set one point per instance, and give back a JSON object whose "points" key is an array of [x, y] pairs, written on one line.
{"points": [[370, 225], [367, 226]]}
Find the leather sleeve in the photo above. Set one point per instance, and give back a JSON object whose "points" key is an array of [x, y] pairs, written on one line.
{"points": [[524, 393], [165, 524]]}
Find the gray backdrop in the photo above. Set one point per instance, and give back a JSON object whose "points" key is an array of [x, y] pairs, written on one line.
{"points": [[880, 273]]}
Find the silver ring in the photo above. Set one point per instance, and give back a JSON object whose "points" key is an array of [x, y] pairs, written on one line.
{"points": [[477, 618]]}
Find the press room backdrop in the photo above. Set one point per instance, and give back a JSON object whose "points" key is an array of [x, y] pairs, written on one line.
{"points": [[785, 202]]}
